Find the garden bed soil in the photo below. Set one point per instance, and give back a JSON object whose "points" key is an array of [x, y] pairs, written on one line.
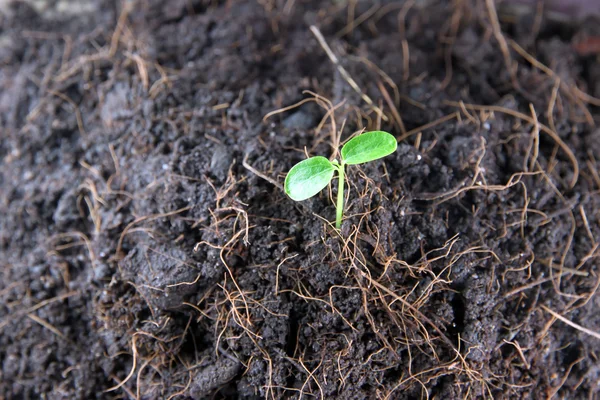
{"points": [[148, 250]]}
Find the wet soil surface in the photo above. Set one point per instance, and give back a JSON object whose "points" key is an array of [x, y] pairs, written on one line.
{"points": [[147, 249]]}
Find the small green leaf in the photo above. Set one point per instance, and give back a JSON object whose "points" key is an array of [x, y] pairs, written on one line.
{"points": [[368, 147], [308, 178]]}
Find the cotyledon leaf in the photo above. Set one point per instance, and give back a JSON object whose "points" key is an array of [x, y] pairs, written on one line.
{"points": [[308, 178], [368, 147]]}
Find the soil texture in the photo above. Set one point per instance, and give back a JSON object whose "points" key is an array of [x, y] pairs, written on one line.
{"points": [[148, 251]]}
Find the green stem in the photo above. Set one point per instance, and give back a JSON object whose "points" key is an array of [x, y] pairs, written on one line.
{"points": [[340, 197]]}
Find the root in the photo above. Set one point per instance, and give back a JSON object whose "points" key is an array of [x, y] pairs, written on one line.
{"points": [[410, 307], [133, 367], [532, 121], [429, 125], [571, 323], [491, 8], [49, 326], [345, 73], [128, 228], [573, 92]]}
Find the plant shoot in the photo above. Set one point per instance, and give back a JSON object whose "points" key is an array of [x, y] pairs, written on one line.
{"points": [[309, 177]]}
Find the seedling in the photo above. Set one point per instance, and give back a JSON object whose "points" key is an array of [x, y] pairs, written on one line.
{"points": [[309, 177]]}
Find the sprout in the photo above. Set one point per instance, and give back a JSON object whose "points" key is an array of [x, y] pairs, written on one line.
{"points": [[309, 177]]}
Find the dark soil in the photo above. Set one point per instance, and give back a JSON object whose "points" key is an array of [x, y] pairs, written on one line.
{"points": [[148, 251]]}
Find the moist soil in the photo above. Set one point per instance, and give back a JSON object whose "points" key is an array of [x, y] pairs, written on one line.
{"points": [[148, 250]]}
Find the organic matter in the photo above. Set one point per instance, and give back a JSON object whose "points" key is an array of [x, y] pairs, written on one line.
{"points": [[147, 245]]}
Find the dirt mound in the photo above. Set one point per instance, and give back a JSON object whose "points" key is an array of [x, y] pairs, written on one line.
{"points": [[148, 250]]}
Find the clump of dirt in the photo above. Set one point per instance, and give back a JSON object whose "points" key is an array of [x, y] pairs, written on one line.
{"points": [[148, 250]]}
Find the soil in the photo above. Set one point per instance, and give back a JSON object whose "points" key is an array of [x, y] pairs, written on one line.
{"points": [[148, 250]]}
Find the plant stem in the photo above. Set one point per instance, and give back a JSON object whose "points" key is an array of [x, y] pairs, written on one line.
{"points": [[339, 208]]}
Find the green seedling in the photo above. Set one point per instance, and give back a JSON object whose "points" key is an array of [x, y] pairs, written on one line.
{"points": [[309, 177]]}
